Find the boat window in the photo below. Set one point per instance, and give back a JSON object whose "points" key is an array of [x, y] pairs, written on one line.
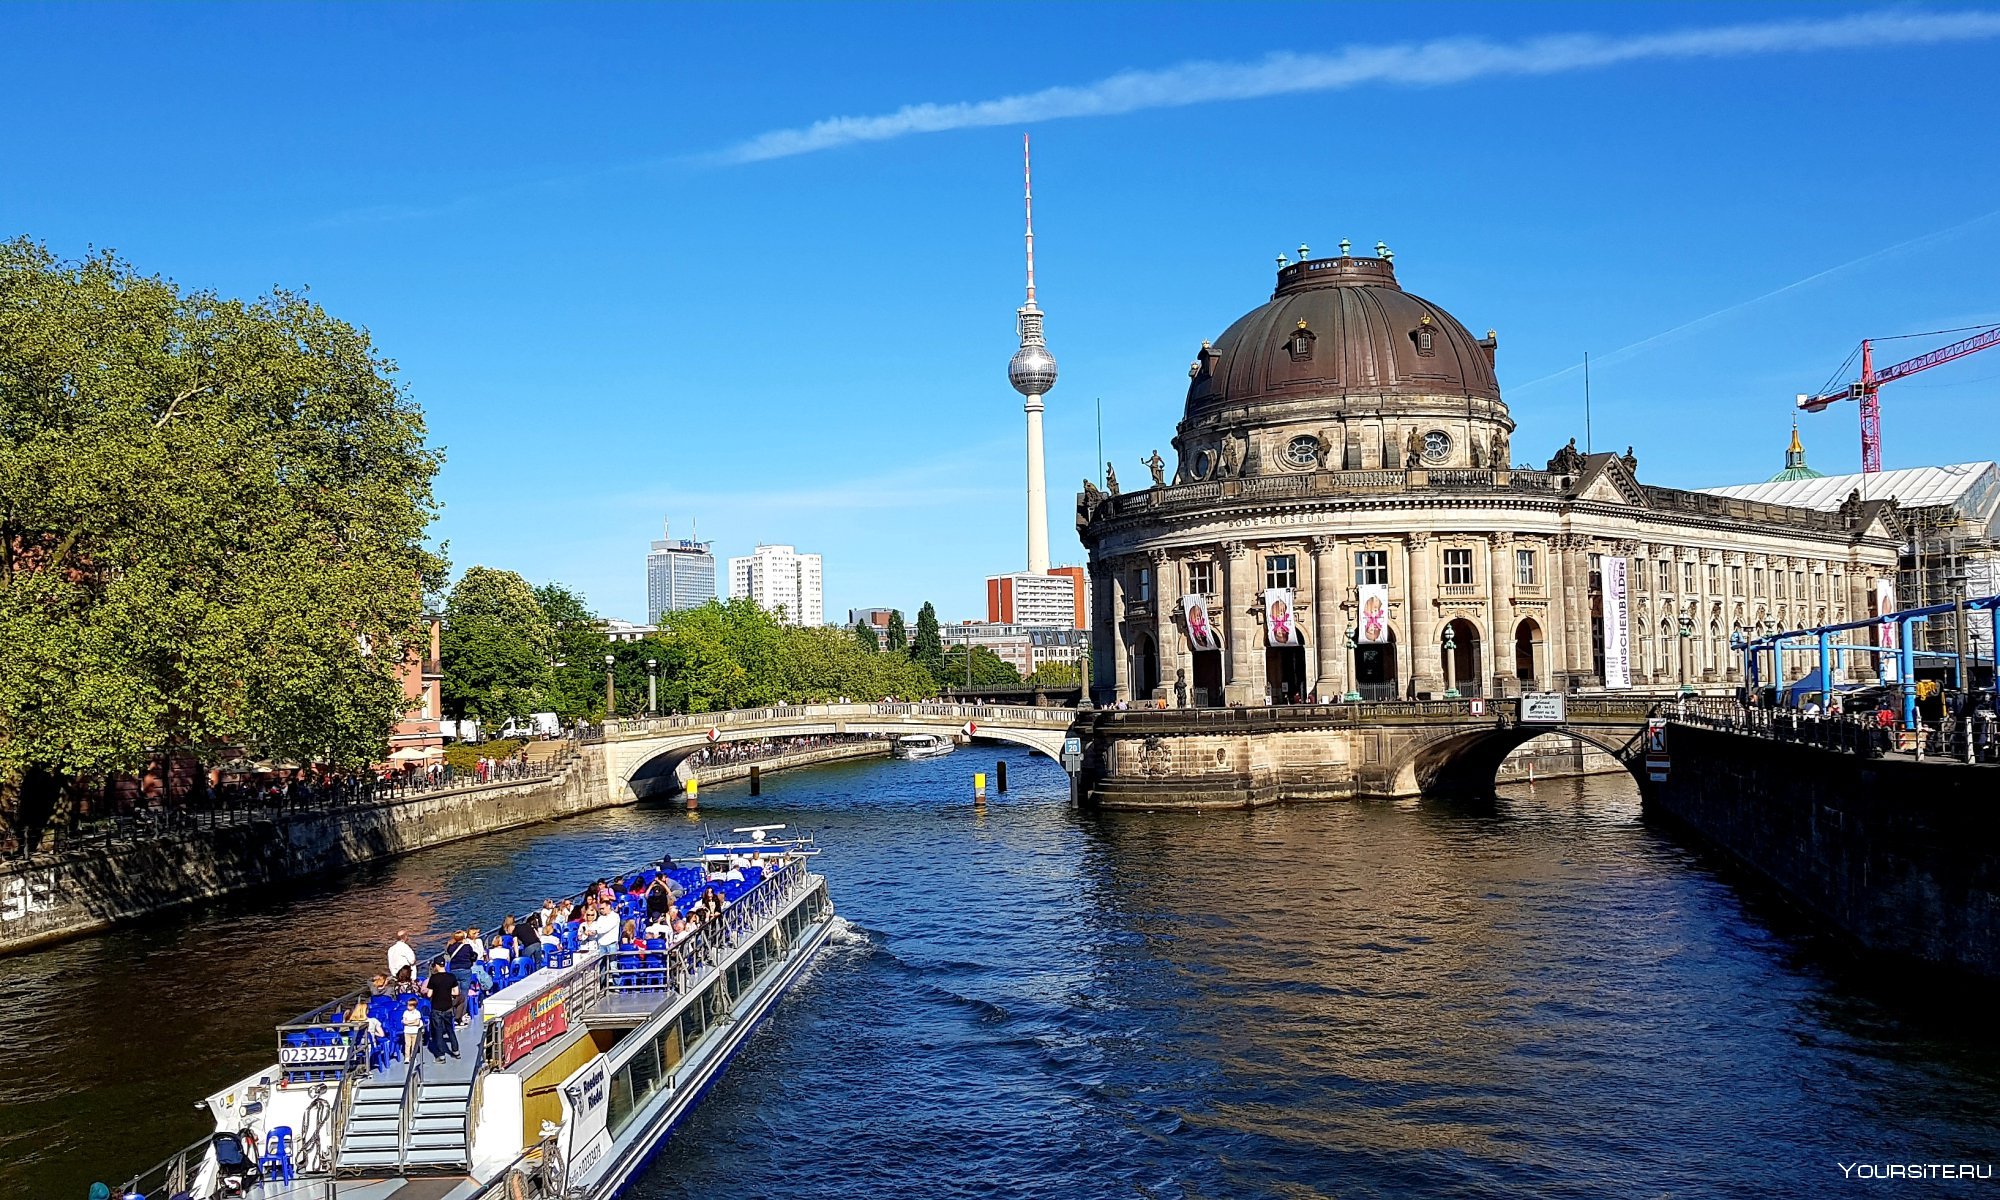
{"points": [[669, 1046], [643, 1073], [618, 1111]]}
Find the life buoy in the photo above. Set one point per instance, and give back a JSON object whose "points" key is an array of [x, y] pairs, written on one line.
{"points": [[517, 1184]]}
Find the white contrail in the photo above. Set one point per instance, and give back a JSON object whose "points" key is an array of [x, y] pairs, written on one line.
{"points": [[1627, 351], [1454, 60]]}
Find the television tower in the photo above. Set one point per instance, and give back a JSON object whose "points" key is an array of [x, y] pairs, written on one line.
{"points": [[1033, 372]]}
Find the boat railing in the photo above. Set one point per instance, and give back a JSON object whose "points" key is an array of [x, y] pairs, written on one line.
{"points": [[170, 1176], [411, 1086], [687, 961], [323, 1044]]}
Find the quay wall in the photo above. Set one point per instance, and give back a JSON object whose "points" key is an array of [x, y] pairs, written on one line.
{"points": [[731, 772], [1901, 857], [52, 898]]}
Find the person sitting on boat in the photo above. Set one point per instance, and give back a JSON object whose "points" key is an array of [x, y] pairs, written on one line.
{"points": [[659, 898], [630, 938], [406, 981], [499, 956], [380, 985], [712, 900]]}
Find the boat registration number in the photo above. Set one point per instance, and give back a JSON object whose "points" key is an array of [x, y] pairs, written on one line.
{"points": [[313, 1054]]}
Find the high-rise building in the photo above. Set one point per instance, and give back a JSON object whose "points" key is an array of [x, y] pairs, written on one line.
{"points": [[679, 574], [1055, 600], [779, 579]]}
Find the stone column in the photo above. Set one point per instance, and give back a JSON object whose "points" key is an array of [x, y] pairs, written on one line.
{"points": [[1163, 628], [1103, 634], [1239, 685], [1329, 638], [1705, 612], [1500, 606], [1420, 603], [1121, 653], [1572, 580]]}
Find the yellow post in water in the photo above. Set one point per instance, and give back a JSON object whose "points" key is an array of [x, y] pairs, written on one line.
{"points": [[693, 792], [979, 787]]}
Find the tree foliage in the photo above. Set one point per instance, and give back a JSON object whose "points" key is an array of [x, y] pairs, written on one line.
{"points": [[498, 647], [1054, 674], [927, 648], [576, 683], [212, 520], [864, 636], [734, 654], [896, 636], [988, 668]]}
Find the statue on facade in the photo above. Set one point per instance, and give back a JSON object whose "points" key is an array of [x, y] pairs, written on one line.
{"points": [[1231, 461], [1110, 479], [1323, 447], [1568, 460], [1850, 509], [1413, 451], [1631, 462], [1499, 454], [1158, 466], [1086, 507]]}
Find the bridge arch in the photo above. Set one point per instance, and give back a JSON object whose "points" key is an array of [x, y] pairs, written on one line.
{"points": [[1463, 763]]}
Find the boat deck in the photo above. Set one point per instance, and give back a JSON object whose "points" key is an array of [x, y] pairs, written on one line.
{"points": [[420, 1188], [451, 1070]]}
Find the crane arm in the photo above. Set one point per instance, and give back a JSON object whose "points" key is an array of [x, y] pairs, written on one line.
{"points": [[1909, 366], [1943, 354]]}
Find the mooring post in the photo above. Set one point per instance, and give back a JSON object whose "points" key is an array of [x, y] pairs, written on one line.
{"points": [[1000, 775], [978, 788], [693, 793], [756, 780]]}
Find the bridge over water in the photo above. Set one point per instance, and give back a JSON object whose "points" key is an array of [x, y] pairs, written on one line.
{"points": [[642, 756], [1206, 757]]}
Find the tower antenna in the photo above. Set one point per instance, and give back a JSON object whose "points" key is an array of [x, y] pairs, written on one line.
{"points": [[1028, 200]]}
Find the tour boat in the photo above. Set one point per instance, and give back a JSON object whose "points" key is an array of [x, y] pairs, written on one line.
{"points": [[570, 1074], [922, 745]]}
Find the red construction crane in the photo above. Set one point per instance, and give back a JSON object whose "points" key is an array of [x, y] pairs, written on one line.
{"points": [[1865, 388]]}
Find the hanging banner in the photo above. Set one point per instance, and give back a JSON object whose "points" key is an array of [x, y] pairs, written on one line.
{"points": [[1374, 610], [1281, 624], [1885, 603], [1201, 631], [1617, 624]]}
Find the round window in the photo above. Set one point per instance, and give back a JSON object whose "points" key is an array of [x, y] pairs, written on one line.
{"points": [[1302, 451], [1437, 446]]}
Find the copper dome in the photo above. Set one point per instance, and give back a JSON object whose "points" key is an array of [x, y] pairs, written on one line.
{"points": [[1339, 327]]}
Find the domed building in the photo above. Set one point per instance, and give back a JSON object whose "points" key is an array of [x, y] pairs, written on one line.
{"points": [[1344, 520]]}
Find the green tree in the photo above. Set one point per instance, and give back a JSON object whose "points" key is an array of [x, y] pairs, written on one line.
{"points": [[1054, 674], [927, 648], [576, 682], [988, 668], [864, 636], [896, 637], [499, 648], [212, 523]]}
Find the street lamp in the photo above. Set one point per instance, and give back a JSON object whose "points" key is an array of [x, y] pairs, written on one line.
{"points": [[610, 688], [1353, 695], [652, 686], [1450, 664], [1687, 649]]}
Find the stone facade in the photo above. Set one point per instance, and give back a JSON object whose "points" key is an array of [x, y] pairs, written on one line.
{"points": [[1324, 446]]}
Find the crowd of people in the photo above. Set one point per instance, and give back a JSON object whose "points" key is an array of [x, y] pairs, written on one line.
{"points": [[727, 753], [475, 962]]}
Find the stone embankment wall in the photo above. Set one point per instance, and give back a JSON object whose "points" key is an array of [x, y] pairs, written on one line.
{"points": [[49, 899], [1903, 857], [730, 772]]}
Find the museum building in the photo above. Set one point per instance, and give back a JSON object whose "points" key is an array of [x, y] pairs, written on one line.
{"points": [[1344, 521]]}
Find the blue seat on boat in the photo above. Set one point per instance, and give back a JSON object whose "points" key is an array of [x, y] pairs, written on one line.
{"points": [[629, 964], [276, 1161]]}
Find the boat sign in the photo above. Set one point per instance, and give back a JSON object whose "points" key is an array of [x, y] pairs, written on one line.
{"points": [[1072, 755], [532, 1022], [1657, 761], [1543, 708]]}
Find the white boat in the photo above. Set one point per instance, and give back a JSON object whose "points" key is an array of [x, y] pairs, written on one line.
{"points": [[569, 1078], [922, 745]]}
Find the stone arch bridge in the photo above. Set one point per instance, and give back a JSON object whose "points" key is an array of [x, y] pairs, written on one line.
{"points": [[1240, 757], [642, 757]]}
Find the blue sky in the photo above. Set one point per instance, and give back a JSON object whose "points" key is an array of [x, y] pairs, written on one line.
{"points": [[628, 275]]}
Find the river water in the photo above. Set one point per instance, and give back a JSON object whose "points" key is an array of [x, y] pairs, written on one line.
{"points": [[1544, 998]]}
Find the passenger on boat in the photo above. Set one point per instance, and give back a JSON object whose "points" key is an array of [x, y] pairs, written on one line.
{"points": [[380, 985], [406, 981], [631, 939], [480, 971], [413, 1029], [499, 956], [400, 954], [446, 997], [605, 929], [659, 899]]}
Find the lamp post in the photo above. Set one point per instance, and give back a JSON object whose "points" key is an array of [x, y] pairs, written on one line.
{"points": [[1353, 695], [610, 687], [1450, 664], [1963, 671], [652, 686], [1687, 650]]}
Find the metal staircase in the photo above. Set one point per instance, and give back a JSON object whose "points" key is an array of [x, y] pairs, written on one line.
{"points": [[401, 1123]]}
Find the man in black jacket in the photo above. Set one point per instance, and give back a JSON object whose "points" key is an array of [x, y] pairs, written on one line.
{"points": [[443, 989]]}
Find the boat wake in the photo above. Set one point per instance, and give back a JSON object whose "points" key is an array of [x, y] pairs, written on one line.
{"points": [[846, 933]]}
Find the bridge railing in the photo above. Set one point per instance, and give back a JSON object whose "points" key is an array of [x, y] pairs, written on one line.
{"points": [[794, 714]]}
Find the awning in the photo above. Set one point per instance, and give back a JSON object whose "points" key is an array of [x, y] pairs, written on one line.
{"points": [[417, 754]]}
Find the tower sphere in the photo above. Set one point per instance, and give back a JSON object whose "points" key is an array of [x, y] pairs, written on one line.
{"points": [[1032, 370]]}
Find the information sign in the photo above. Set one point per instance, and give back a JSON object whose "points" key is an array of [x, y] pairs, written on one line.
{"points": [[1657, 761], [531, 1023], [1543, 708]]}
